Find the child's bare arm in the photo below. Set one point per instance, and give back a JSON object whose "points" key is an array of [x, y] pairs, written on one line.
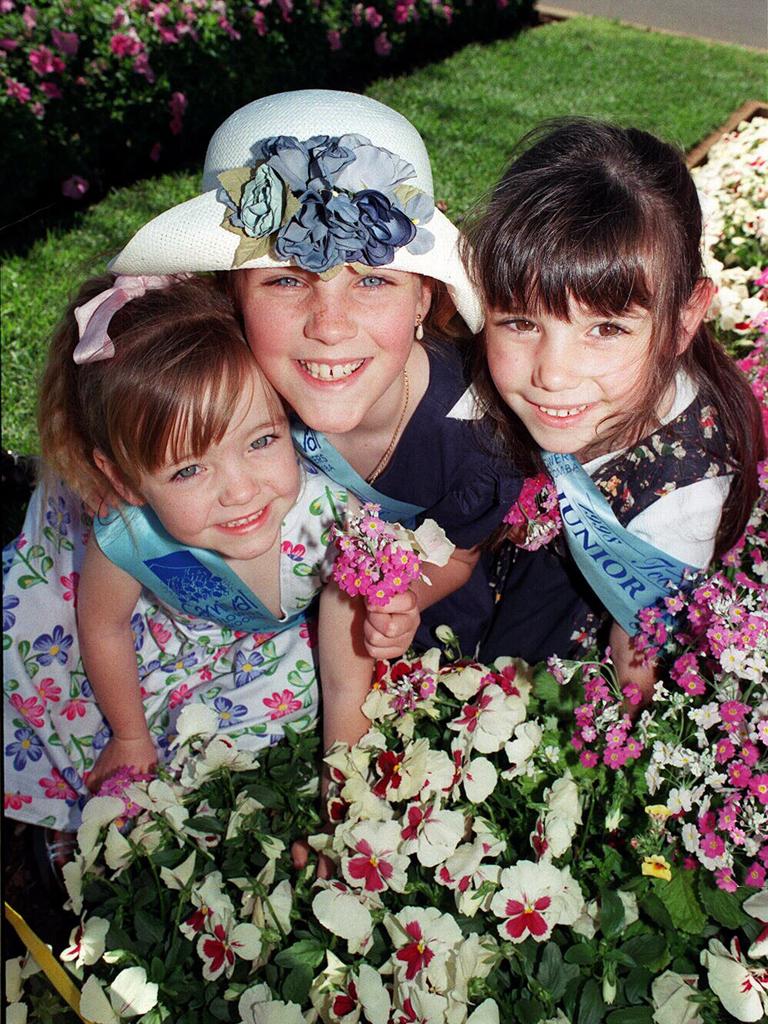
{"points": [[106, 600], [345, 666], [629, 664]]}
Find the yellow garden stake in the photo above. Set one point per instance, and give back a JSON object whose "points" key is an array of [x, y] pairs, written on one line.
{"points": [[48, 963]]}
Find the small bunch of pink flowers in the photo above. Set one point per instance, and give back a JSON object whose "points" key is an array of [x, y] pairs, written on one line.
{"points": [[378, 559], [603, 726], [535, 516]]}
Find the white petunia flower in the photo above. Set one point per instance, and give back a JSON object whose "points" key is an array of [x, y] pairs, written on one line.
{"points": [[257, 1006], [130, 995], [740, 987], [672, 1003], [345, 913], [86, 942], [430, 832]]}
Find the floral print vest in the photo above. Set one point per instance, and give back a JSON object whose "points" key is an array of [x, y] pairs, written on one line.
{"points": [[689, 448]]}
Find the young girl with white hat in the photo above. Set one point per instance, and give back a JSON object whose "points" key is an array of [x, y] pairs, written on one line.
{"points": [[321, 206]]}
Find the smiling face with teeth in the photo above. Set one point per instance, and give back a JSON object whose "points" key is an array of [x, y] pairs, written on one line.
{"points": [[334, 347], [567, 379], [233, 498]]}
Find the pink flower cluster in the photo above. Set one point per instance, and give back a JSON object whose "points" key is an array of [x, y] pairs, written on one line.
{"points": [[535, 516], [117, 784], [710, 757], [603, 728], [372, 560]]}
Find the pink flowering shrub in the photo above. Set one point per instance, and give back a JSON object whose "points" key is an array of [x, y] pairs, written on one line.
{"points": [[100, 91]]}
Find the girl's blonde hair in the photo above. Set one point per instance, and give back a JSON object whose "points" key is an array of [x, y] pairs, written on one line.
{"points": [[170, 390]]}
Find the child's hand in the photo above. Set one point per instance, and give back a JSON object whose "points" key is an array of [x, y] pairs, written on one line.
{"points": [[300, 858], [139, 754], [389, 629]]}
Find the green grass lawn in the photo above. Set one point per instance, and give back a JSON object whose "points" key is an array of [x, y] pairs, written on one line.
{"points": [[470, 108]]}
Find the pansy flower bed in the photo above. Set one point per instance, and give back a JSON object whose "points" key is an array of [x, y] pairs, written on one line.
{"points": [[509, 844]]}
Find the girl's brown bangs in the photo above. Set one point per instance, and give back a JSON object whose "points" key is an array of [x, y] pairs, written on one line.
{"points": [[538, 267], [182, 412]]}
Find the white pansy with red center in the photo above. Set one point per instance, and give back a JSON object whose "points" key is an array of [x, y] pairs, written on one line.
{"points": [[209, 900], [430, 832], [533, 899], [375, 863], [346, 913], [478, 776], [742, 987], [220, 752], [256, 1006], [223, 942], [466, 870], [343, 994], [87, 942], [130, 995], [488, 722], [401, 775], [425, 940]]}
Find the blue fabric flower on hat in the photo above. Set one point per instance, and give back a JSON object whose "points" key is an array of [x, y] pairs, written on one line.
{"points": [[331, 201]]}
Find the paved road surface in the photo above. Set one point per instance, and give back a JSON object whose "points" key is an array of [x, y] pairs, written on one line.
{"points": [[729, 21]]}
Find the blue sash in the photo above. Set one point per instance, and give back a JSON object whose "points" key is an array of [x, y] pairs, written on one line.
{"points": [[194, 580], [625, 572], [318, 450]]}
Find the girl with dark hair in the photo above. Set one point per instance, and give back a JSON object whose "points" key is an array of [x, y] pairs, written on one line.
{"points": [[195, 590], [597, 365]]}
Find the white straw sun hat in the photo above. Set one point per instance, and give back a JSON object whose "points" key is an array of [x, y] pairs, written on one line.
{"points": [[312, 178]]}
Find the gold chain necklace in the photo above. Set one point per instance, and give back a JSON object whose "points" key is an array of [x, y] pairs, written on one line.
{"points": [[382, 463]]}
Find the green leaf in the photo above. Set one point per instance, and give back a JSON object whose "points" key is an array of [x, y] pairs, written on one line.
{"points": [[656, 910], [554, 975], [631, 1015], [302, 569], [219, 1009], [591, 1005], [611, 914], [297, 984], [637, 985], [205, 823], [308, 952], [645, 950], [551, 970], [529, 1011], [46, 564], [680, 900], [156, 969], [581, 953], [724, 907], [148, 928]]}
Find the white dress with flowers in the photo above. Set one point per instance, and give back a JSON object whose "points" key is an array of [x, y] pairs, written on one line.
{"points": [[255, 682]]}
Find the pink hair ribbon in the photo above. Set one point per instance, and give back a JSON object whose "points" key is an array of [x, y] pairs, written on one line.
{"points": [[93, 316]]}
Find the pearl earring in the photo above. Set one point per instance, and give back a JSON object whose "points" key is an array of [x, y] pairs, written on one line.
{"points": [[419, 328]]}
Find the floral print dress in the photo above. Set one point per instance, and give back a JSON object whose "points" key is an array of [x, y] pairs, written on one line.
{"points": [[255, 682]]}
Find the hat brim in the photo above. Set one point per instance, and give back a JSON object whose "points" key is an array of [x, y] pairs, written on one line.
{"points": [[189, 238]]}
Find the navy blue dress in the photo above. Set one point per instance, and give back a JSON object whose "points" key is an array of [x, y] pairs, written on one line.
{"points": [[452, 468]]}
